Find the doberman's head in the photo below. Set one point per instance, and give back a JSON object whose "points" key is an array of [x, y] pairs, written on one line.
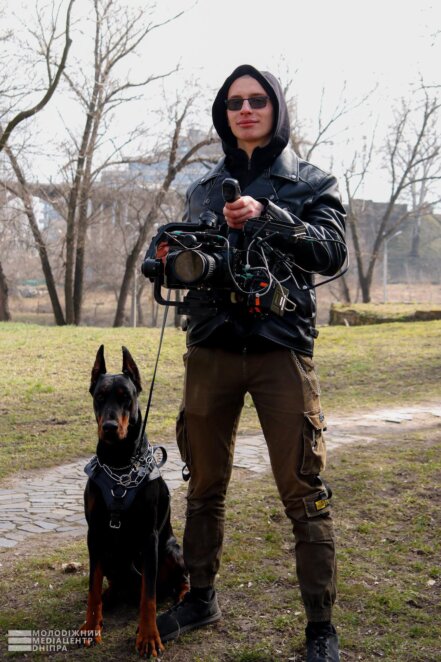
{"points": [[115, 398]]}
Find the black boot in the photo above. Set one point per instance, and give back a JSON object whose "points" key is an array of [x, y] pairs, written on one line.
{"points": [[321, 643], [199, 607]]}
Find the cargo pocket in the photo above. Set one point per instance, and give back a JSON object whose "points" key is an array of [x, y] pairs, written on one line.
{"points": [[314, 449], [182, 441], [309, 380], [318, 503]]}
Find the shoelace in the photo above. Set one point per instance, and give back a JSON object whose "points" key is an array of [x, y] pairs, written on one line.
{"points": [[179, 605]]}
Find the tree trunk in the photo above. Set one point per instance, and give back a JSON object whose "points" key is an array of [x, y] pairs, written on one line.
{"points": [[71, 230], [365, 286], [38, 238], [416, 238], [139, 306], [131, 264], [132, 258], [84, 194], [78, 283], [5, 315]]}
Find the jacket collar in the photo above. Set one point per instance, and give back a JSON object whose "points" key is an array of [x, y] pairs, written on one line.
{"points": [[285, 166]]}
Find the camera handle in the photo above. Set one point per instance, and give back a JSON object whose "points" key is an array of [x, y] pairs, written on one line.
{"points": [[231, 192]]}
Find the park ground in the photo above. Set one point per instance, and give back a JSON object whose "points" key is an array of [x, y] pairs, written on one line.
{"points": [[385, 509]]}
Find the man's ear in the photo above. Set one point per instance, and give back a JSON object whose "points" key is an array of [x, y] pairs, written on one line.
{"points": [[130, 369], [99, 368]]}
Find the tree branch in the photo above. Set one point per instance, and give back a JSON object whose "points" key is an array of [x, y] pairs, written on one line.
{"points": [[25, 114]]}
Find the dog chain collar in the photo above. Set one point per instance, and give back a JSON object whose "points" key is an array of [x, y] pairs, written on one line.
{"points": [[141, 468]]}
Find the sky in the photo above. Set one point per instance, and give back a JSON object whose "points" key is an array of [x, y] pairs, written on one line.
{"points": [[376, 47], [385, 41]]}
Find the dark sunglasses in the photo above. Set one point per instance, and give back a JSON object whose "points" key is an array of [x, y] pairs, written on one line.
{"points": [[236, 103]]}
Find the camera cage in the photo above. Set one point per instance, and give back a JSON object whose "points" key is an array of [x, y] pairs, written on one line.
{"points": [[214, 267]]}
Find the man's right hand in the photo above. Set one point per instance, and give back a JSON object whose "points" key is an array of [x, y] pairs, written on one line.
{"points": [[238, 212]]}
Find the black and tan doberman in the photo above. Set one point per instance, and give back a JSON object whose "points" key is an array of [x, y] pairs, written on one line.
{"points": [[127, 506]]}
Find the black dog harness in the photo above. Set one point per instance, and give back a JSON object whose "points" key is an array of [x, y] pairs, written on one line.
{"points": [[119, 486]]}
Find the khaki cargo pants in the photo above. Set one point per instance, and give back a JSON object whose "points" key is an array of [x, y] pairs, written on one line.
{"points": [[284, 389]]}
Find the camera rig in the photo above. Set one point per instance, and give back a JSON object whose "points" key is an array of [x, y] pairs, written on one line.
{"points": [[251, 267]]}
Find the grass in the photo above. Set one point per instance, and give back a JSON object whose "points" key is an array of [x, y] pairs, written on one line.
{"points": [[385, 505], [387, 522], [46, 415]]}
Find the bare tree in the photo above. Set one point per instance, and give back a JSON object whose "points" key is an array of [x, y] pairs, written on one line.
{"points": [[412, 161], [22, 191], [9, 93], [327, 124], [176, 162], [118, 33]]}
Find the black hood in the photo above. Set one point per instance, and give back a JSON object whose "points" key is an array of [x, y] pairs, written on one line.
{"points": [[281, 127]]}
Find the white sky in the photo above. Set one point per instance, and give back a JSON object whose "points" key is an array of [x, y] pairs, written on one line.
{"points": [[383, 43], [386, 41]]}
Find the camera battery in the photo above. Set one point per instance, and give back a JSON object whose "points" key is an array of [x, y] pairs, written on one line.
{"points": [[280, 299]]}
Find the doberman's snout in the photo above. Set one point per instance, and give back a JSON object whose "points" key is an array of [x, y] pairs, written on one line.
{"points": [[110, 426]]}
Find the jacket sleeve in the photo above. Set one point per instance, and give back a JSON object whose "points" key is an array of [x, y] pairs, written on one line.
{"points": [[186, 218], [323, 249]]}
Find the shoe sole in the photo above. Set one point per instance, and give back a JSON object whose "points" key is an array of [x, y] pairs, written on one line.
{"points": [[191, 626]]}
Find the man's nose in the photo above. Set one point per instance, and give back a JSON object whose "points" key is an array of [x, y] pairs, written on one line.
{"points": [[246, 108]]}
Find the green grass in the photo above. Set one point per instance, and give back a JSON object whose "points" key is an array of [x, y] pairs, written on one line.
{"points": [[389, 606], [45, 410]]}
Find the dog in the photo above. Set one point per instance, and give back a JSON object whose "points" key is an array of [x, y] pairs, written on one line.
{"points": [[127, 508]]}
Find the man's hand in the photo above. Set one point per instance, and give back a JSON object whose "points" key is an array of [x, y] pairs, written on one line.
{"points": [[238, 212]]}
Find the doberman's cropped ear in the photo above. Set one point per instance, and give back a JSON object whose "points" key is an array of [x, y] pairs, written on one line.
{"points": [[99, 368], [131, 369]]}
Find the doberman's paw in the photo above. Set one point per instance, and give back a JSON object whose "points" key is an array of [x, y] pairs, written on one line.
{"points": [[91, 635], [149, 643]]}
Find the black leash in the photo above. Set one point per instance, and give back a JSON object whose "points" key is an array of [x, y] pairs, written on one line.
{"points": [[164, 321]]}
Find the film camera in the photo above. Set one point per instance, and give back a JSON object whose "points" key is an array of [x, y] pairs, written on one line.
{"points": [[245, 267]]}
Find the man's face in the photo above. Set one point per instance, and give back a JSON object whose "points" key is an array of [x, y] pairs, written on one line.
{"points": [[251, 127]]}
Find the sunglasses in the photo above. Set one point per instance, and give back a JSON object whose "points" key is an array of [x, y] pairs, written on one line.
{"points": [[236, 103]]}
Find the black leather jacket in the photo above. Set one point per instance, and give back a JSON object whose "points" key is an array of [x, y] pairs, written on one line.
{"points": [[292, 191]]}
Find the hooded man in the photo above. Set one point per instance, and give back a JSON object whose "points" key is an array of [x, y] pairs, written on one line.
{"points": [[237, 349]]}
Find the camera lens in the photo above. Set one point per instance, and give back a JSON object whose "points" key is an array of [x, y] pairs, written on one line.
{"points": [[192, 267], [150, 268]]}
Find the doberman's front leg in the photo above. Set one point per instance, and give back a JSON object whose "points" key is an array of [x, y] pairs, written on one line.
{"points": [[92, 627], [148, 641]]}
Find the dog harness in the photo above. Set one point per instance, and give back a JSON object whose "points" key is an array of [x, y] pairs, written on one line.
{"points": [[119, 486]]}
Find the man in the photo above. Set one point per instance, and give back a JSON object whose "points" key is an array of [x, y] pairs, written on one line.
{"points": [[237, 350]]}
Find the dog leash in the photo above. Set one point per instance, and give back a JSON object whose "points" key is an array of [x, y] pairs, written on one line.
{"points": [[147, 411]]}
